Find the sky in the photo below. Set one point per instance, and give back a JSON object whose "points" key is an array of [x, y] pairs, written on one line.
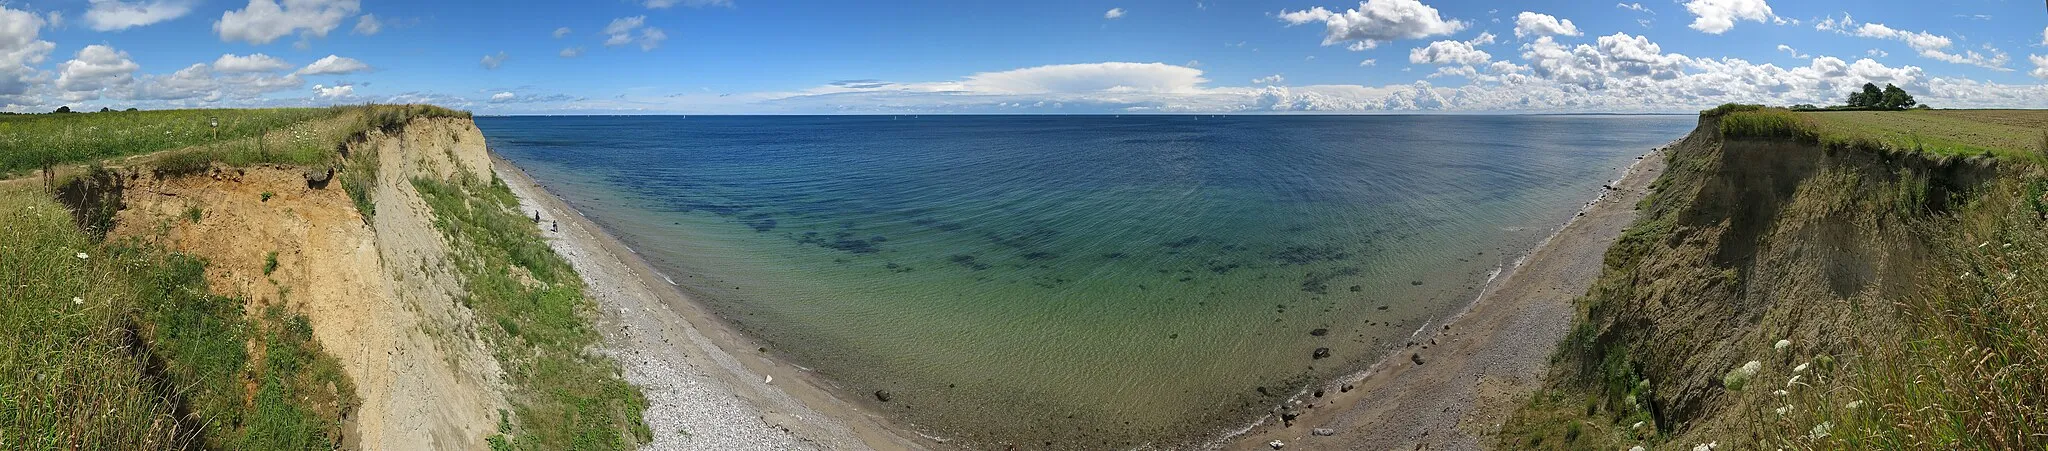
{"points": [[1033, 57]]}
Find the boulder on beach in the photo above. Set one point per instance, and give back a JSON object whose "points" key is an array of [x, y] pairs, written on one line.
{"points": [[883, 395], [1324, 432], [1321, 353]]}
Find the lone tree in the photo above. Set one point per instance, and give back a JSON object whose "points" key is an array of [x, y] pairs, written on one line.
{"points": [[1889, 98]]}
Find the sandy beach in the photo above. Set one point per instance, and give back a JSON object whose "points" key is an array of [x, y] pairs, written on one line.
{"points": [[707, 386], [1456, 381]]}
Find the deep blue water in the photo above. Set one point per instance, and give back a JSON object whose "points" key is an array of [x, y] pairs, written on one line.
{"points": [[1091, 280]]}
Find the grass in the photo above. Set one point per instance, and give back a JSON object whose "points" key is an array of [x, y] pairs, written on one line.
{"points": [[27, 142], [2007, 134], [564, 396], [124, 348]]}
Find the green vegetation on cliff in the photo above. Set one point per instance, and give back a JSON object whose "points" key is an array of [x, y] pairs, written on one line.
{"points": [[118, 345], [537, 321], [1825, 280]]}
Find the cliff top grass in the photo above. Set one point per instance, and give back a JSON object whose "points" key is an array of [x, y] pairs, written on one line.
{"points": [[2005, 134], [301, 136]]}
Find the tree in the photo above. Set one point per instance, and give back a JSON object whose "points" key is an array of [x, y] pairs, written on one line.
{"points": [[1870, 97], [131, 109], [63, 110], [106, 109], [1896, 99]]}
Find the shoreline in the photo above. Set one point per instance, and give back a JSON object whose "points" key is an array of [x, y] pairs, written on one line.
{"points": [[1502, 346], [707, 385]]}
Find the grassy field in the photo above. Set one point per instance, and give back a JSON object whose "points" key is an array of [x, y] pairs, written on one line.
{"points": [[2008, 134], [566, 398], [27, 142], [120, 346]]}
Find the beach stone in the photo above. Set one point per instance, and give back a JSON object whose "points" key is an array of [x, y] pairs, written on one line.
{"points": [[1321, 353], [1323, 432], [883, 395], [1276, 444], [1417, 357], [1319, 393], [1345, 389], [1319, 332]]}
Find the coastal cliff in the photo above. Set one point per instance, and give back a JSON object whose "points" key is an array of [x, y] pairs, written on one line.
{"points": [[358, 279], [1787, 288]]}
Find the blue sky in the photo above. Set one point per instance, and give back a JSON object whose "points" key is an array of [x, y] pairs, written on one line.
{"points": [[1136, 56]]}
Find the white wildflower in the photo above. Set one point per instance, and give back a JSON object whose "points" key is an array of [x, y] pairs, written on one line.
{"points": [[1800, 368], [1853, 404], [82, 256], [1784, 410], [1780, 393], [77, 301], [1782, 344], [1638, 425], [1708, 446], [1820, 431], [1981, 245], [1638, 448]]}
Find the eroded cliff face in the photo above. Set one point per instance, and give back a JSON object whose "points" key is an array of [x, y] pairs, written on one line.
{"points": [[380, 294], [1770, 251]]}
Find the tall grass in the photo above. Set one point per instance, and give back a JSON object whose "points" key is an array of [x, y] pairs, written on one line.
{"points": [[563, 396], [120, 346], [28, 142]]}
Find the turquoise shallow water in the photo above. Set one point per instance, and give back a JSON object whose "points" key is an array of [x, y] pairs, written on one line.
{"points": [[1079, 281]]}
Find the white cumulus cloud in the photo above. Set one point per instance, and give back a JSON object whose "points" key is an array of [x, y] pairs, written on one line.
{"points": [[622, 31], [1449, 52], [97, 67], [21, 51], [1719, 16], [1375, 22], [231, 63], [503, 97], [491, 62], [1114, 13], [1928, 45], [1529, 24], [334, 65], [263, 21], [115, 15], [368, 25], [334, 92], [2040, 66], [1638, 7]]}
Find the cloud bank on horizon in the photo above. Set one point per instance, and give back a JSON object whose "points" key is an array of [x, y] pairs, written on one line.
{"points": [[1060, 56]]}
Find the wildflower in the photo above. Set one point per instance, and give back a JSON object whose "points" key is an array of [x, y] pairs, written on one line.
{"points": [[1853, 404], [1708, 446], [1638, 425], [1800, 368], [1784, 410], [82, 256], [1782, 344], [1820, 431], [1779, 393], [77, 301]]}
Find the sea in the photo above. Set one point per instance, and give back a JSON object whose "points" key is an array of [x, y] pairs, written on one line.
{"points": [[1080, 281]]}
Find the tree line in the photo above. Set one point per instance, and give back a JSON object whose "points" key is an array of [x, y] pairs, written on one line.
{"points": [[1889, 98]]}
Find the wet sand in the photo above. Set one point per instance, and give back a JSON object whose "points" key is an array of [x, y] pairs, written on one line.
{"points": [[707, 386], [1477, 367]]}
